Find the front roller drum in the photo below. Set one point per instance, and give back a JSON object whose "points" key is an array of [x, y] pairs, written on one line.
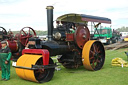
{"points": [[93, 55], [38, 75]]}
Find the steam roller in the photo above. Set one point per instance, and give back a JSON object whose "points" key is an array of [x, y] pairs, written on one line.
{"points": [[29, 67], [73, 48]]}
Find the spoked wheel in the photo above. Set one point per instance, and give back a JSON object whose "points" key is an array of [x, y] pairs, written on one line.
{"points": [[93, 55], [25, 34], [3, 33], [39, 75], [44, 75], [3, 30]]}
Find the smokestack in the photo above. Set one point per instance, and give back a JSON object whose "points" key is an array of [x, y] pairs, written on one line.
{"points": [[50, 21]]}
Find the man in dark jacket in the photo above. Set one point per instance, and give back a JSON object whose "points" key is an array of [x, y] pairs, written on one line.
{"points": [[5, 56]]}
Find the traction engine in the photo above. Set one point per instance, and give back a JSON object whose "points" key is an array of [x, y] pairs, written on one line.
{"points": [[73, 49], [18, 42]]}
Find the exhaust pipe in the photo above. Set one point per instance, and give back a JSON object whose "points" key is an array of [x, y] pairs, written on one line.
{"points": [[50, 21]]}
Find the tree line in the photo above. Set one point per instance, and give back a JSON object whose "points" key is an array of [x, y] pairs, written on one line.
{"points": [[41, 33], [122, 29], [38, 32]]}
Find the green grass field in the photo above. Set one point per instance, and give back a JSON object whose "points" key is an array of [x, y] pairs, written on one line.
{"points": [[108, 75]]}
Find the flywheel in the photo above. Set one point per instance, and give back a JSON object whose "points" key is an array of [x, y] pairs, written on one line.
{"points": [[25, 34], [93, 55], [81, 36], [36, 75]]}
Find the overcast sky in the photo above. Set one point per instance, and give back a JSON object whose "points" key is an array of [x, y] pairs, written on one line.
{"points": [[16, 14]]}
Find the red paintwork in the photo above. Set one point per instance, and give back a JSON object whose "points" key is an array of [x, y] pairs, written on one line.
{"points": [[80, 32], [44, 52], [0, 45], [24, 36], [12, 45], [69, 36]]}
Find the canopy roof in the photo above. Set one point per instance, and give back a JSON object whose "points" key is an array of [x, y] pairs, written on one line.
{"points": [[83, 18]]}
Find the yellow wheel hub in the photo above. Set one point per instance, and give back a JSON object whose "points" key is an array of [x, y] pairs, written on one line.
{"points": [[93, 55]]}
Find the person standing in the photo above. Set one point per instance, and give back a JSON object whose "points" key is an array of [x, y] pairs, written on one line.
{"points": [[5, 56]]}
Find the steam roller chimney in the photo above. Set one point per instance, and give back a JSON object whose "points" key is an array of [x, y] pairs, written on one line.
{"points": [[50, 21]]}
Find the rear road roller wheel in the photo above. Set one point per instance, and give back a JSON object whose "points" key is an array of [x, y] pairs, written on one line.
{"points": [[46, 74], [93, 55], [39, 75]]}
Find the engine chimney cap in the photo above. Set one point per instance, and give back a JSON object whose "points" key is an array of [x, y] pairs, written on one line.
{"points": [[49, 7]]}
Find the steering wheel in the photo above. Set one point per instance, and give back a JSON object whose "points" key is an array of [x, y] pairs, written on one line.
{"points": [[25, 35], [3, 30]]}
